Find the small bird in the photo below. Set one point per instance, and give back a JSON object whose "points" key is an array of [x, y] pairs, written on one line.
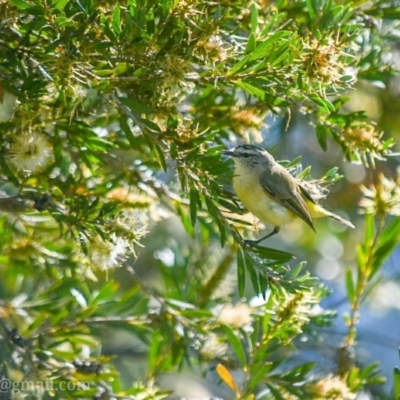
{"points": [[271, 193]]}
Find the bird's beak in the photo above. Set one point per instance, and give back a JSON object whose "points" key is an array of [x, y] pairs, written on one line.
{"points": [[229, 153]]}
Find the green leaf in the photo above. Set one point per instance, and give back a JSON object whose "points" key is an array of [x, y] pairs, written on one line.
{"points": [[160, 156], [322, 136], [238, 66], [154, 350], [236, 344], [332, 175], [187, 224], [253, 277], [369, 229], [380, 255], [350, 286], [137, 107], [254, 18], [60, 4], [121, 68], [361, 257], [253, 90], [263, 281], [241, 272], [275, 392], [258, 373], [311, 10], [215, 213], [296, 271], [133, 141], [251, 43], [390, 233], [267, 253], [263, 50], [324, 104], [266, 48], [194, 199], [21, 4], [397, 383], [116, 20], [153, 127]]}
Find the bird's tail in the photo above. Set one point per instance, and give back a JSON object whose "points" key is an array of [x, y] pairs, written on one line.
{"points": [[317, 212], [340, 219]]}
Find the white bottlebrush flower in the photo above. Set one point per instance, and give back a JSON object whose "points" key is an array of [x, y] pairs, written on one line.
{"points": [[213, 348], [148, 390], [105, 254], [30, 153], [133, 219], [236, 316], [381, 198], [130, 225], [331, 387]]}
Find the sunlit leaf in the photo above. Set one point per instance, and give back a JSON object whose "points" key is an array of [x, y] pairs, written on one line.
{"points": [[227, 377]]}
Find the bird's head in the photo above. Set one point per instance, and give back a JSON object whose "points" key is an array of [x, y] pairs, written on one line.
{"points": [[249, 156]]}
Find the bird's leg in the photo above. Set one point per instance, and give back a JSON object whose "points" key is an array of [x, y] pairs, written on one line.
{"points": [[248, 243]]}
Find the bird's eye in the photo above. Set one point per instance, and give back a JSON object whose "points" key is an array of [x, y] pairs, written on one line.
{"points": [[246, 155]]}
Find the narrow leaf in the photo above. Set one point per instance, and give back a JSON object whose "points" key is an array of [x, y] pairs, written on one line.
{"points": [[256, 375], [238, 66], [236, 345], [241, 272], [253, 273], [160, 157], [267, 253], [253, 90], [215, 213], [60, 4], [185, 220], [251, 43], [322, 136], [23, 5], [227, 377], [136, 107], [397, 382], [128, 133], [265, 48], [254, 18], [369, 229], [350, 286], [116, 21], [194, 198], [154, 350], [310, 9]]}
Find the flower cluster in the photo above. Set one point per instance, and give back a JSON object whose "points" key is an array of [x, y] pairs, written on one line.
{"points": [[322, 60], [365, 142], [381, 198], [213, 49], [236, 316], [330, 387], [213, 347], [104, 254], [249, 120], [298, 309], [30, 153]]}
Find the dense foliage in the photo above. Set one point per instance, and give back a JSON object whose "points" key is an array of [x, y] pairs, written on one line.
{"points": [[113, 118]]}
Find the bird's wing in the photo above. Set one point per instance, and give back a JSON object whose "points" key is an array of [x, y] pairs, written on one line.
{"points": [[306, 193], [286, 193]]}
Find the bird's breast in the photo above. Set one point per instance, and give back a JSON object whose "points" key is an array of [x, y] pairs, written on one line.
{"points": [[258, 202]]}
